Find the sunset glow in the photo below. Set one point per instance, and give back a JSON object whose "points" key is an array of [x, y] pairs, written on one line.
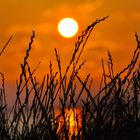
{"points": [[72, 121], [69, 70]]}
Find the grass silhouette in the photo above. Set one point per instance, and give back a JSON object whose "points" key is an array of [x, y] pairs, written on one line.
{"points": [[112, 113]]}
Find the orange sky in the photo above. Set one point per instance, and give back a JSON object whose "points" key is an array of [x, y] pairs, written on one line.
{"points": [[19, 18]]}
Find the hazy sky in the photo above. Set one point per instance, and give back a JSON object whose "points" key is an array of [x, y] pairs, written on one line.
{"points": [[19, 18]]}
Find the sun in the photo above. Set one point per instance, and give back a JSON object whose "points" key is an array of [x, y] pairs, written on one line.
{"points": [[68, 27]]}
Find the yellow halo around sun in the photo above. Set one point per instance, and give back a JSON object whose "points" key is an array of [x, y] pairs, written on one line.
{"points": [[68, 27]]}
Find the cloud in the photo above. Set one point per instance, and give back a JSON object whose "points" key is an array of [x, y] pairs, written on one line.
{"points": [[20, 28], [50, 17]]}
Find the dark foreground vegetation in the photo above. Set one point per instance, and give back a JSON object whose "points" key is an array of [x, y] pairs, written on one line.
{"points": [[111, 113]]}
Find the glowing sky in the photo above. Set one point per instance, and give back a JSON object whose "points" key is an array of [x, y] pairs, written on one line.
{"points": [[19, 18]]}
